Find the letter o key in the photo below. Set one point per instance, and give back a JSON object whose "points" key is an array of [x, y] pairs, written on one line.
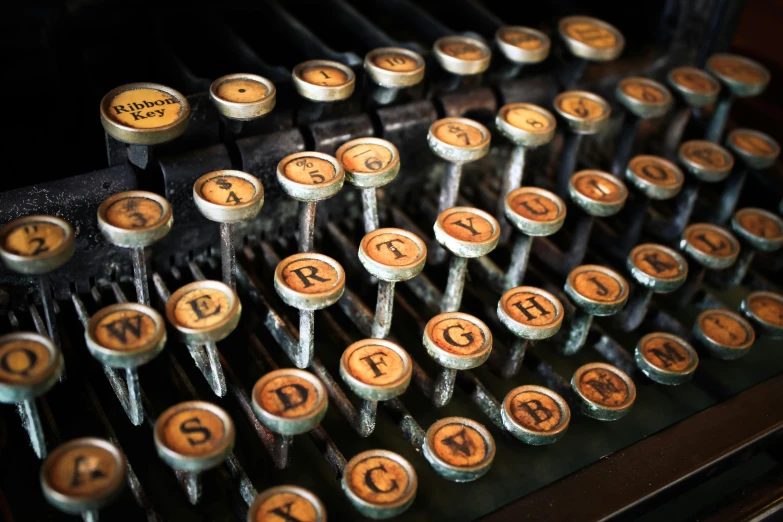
{"points": [[289, 401]]}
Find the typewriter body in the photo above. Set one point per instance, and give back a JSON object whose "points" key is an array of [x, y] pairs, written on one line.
{"points": [[348, 260]]}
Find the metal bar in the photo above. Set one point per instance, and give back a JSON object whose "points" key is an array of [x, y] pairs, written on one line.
{"points": [[369, 209], [31, 421], [452, 296], [512, 179], [520, 254], [306, 225], [140, 276], [514, 357], [568, 158], [576, 336], [719, 116], [48, 304], [383, 310], [228, 256], [449, 191], [625, 141]]}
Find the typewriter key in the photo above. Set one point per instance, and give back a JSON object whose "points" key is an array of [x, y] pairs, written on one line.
{"points": [[531, 314], [391, 255], [192, 437], [228, 196], [30, 364], [309, 177], [379, 484], [603, 391], [522, 45], [394, 67], [591, 39], [369, 163], [309, 282], [289, 401], [243, 97], [758, 230], [127, 335], [535, 415], [665, 358], [466, 233], [323, 80], [136, 219], [286, 503], [459, 449], [376, 370], [598, 193], [462, 55], [765, 310], [83, 475], [756, 149], [725, 334], [707, 161], [694, 86], [712, 247]]}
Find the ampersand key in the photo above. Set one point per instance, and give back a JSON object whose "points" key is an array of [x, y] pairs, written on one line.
{"points": [[666, 358], [535, 415], [228, 197], [83, 475], [459, 449], [30, 364], [323, 80], [603, 391], [588, 39], [193, 437], [462, 55], [379, 484], [725, 334], [693, 89], [309, 177], [392, 69], [765, 311], [286, 503], [136, 220]]}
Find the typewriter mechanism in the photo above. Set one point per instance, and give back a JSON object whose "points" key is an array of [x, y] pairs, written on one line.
{"points": [[349, 260]]}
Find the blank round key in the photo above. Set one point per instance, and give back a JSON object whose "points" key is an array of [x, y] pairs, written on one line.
{"points": [[309, 177], [765, 311], [243, 97], [522, 45], [588, 39], [126, 336], [456, 341], [725, 334], [392, 69], [286, 503], [376, 369], [323, 80], [466, 233], [459, 449], [83, 475], [666, 358], [379, 484], [30, 364], [289, 401], [462, 55], [309, 282], [369, 163], [228, 197], [391, 255], [603, 391], [136, 219], [535, 415], [192, 437]]}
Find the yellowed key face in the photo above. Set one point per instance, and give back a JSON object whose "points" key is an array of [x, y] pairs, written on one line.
{"points": [[83, 471], [597, 286], [536, 411], [144, 108], [760, 225], [590, 34], [705, 154], [202, 308], [751, 143], [367, 158], [193, 432], [35, 238], [286, 506], [644, 92], [694, 80], [126, 330], [459, 134], [242, 90], [288, 396], [710, 241], [737, 70], [666, 353], [460, 445], [395, 62], [462, 50], [324, 75], [658, 263], [517, 37], [310, 276], [724, 328], [654, 171], [467, 226], [581, 107], [134, 213], [536, 207], [228, 191], [604, 387], [767, 309], [457, 336], [376, 365], [393, 249], [599, 188], [529, 120], [379, 480], [529, 308], [309, 171], [23, 361]]}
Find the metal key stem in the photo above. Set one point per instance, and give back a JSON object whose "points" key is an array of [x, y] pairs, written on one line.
{"points": [[228, 256], [306, 225], [140, 276]]}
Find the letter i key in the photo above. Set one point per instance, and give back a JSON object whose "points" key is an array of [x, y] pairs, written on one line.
{"points": [[193, 437], [30, 364]]}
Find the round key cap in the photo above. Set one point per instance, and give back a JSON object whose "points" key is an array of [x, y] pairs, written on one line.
{"points": [[724, 333], [458, 140], [457, 341], [598, 193], [379, 484], [459, 449], [369, 162], [375, 369], [713, 247], [755, 149], [144, 113], [742, 76], [310, 176], [394, 67], [204, 311], [706, 160], [603, 391], [125, 335], [665, 358], [83, 475], [696, 87], [584, 112], [761, 229], [243, 96], [526, 124], [535, 415], [467, 232], [228, 196], [36, 244], [392, 254], [286, 503], [309, 281], [765, 310], [30, 364], [135, 219], [643, 97], [530, 312], [522, 45], [657, 267], [590, 38], [534, 211], [655, 177], [462, 55], [290, 401], [596, 289], [323, 80]]}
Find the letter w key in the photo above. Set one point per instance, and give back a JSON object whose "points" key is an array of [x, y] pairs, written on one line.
{"points": [[120, 328]]}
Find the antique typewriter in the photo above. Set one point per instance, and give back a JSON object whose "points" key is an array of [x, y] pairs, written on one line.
{"points": [[384, 258]]}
